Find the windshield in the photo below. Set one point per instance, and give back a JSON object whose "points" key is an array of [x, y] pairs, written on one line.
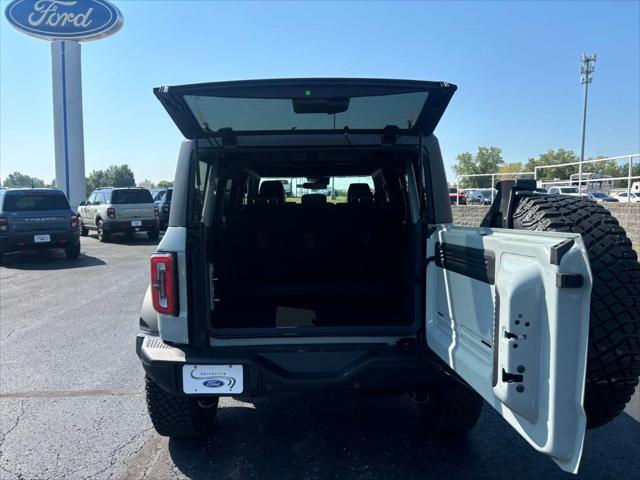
{"points": [[485, 193], [131, 196], [260, 114], [35, 201], [569, 190], [599, 194]]}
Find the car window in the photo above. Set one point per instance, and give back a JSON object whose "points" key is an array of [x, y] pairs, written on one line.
{"points": [[91, 198], [622, 194], [35, 201], [131, 196], [553, 190]]}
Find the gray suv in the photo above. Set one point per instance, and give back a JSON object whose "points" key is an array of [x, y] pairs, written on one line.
{"points": [[37, 218], [536, 312], [119, 210]]}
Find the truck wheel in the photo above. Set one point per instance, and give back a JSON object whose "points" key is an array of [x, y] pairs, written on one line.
{"points": [[451, 410], [153, 234], [613, 358], [174, 416], [83, 230], [102, 235], [73, 251]]}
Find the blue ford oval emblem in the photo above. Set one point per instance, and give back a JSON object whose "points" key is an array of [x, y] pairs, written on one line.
{"points": [[213, 383], [65, 19]]}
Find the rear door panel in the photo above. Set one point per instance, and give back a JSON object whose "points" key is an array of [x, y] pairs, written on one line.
{"points": [[496, 315]]}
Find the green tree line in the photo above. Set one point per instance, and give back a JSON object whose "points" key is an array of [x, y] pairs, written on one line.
{"points": [[489, 160]]}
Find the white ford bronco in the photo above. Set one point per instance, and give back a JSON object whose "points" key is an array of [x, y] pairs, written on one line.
{"points": [[535, 312]]}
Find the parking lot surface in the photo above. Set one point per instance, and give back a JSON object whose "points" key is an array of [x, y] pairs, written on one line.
{"points": [[72, 401]]}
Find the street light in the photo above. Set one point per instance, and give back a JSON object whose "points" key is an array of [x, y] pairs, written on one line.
{"points": [[587, 68]]}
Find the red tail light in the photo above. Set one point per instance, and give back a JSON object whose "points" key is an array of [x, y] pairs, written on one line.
{"points": [[164, 284], [74, 221], [4, 226], [155, 210], [111, 212]]}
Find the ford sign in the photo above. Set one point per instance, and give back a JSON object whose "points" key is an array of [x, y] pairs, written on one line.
{"points": [[213, 383], [79, 20]]}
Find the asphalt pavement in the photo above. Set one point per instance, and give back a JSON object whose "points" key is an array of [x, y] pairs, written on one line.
{"points": [[72, 402]]}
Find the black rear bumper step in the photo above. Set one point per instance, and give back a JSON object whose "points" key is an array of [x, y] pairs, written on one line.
{"points": [[300, 368]]}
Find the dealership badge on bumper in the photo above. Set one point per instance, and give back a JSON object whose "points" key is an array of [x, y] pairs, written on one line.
{"points": [[41, 238], [216, 379]]}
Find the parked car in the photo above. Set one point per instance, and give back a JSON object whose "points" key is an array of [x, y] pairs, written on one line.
{"points": [[629, 197], [35, 218], [244, 300], [573, 191], [455, 197], [478, 197], [602, 197], [162, 201], [111, 210]]}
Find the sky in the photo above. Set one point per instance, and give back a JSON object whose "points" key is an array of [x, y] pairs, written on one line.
{"points": [[516, 66]]}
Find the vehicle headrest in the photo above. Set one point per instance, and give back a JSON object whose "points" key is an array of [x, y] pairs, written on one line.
{"points": [[359, 193], [314, 199], [272, 192]]}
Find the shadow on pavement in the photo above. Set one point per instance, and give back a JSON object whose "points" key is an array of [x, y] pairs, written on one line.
{"points": [[47, 260], [137, 239], [294, 437]]}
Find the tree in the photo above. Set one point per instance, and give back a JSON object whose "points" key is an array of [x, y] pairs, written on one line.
{"points": [[510, 168], [486, 160], [120, 176], [165, 184], [554, 157], [114, 176], [17, 179]]}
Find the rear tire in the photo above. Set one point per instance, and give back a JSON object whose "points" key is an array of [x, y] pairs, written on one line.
{"points": [[613, 358], [153, 234], [452, 410], [102, 235], [179, 417], [73, 252]]}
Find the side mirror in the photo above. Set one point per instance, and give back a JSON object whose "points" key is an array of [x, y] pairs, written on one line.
{"points": [[82, 203]]}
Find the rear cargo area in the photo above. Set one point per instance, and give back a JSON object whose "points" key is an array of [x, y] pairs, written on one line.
{"points": [[283, 261]]}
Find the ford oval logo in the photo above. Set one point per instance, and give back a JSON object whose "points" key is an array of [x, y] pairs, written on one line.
{"points": [[213, 383], [65, 19]]}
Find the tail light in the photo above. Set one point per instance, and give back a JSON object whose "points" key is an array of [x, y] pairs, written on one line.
{"points": [[4, 226], [155, 210], [164, 284], [111, 212], [74, 221]]}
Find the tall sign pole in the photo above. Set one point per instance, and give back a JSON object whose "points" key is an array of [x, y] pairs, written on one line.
{"points": [[68, 128], [586, 71], [66, 23]]}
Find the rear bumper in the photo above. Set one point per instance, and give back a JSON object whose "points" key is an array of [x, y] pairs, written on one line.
{"points": [[26, 240], [115, 226], [357, 367]]}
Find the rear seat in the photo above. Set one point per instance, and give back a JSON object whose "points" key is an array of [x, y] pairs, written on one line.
{"points": [[316, 241]]}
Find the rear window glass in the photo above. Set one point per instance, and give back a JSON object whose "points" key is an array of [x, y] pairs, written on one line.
{"points": [[22, 202], [259, 114], [131, 196]]}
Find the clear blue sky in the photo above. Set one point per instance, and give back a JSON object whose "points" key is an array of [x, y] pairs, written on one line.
{"points": [[516, 66]]}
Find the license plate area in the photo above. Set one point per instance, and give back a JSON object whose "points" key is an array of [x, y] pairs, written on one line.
{"points": [[41, 238], [136, 223], [212, 379]]}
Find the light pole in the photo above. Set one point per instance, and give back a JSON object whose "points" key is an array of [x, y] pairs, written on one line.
{"points": [[586, 70]]}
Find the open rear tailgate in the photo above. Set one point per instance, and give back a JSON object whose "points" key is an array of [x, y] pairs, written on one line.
{"points": [[254, 107]]}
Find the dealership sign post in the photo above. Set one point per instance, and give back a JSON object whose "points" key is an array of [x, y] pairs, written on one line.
{"points": [[66, 23]]}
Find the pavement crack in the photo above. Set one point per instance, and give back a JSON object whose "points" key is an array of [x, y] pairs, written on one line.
{"points": [[71, 393], [6, 434], [112, 457]]}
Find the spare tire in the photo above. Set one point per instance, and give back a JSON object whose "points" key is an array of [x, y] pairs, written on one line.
{"points": [[613, 358]]}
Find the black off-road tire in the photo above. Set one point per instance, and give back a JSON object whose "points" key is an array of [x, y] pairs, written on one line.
{"points": [[83, 230], [153, 234], [102, 235], [613, 358], [450, 410], [179, 417], [73, 251]]}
